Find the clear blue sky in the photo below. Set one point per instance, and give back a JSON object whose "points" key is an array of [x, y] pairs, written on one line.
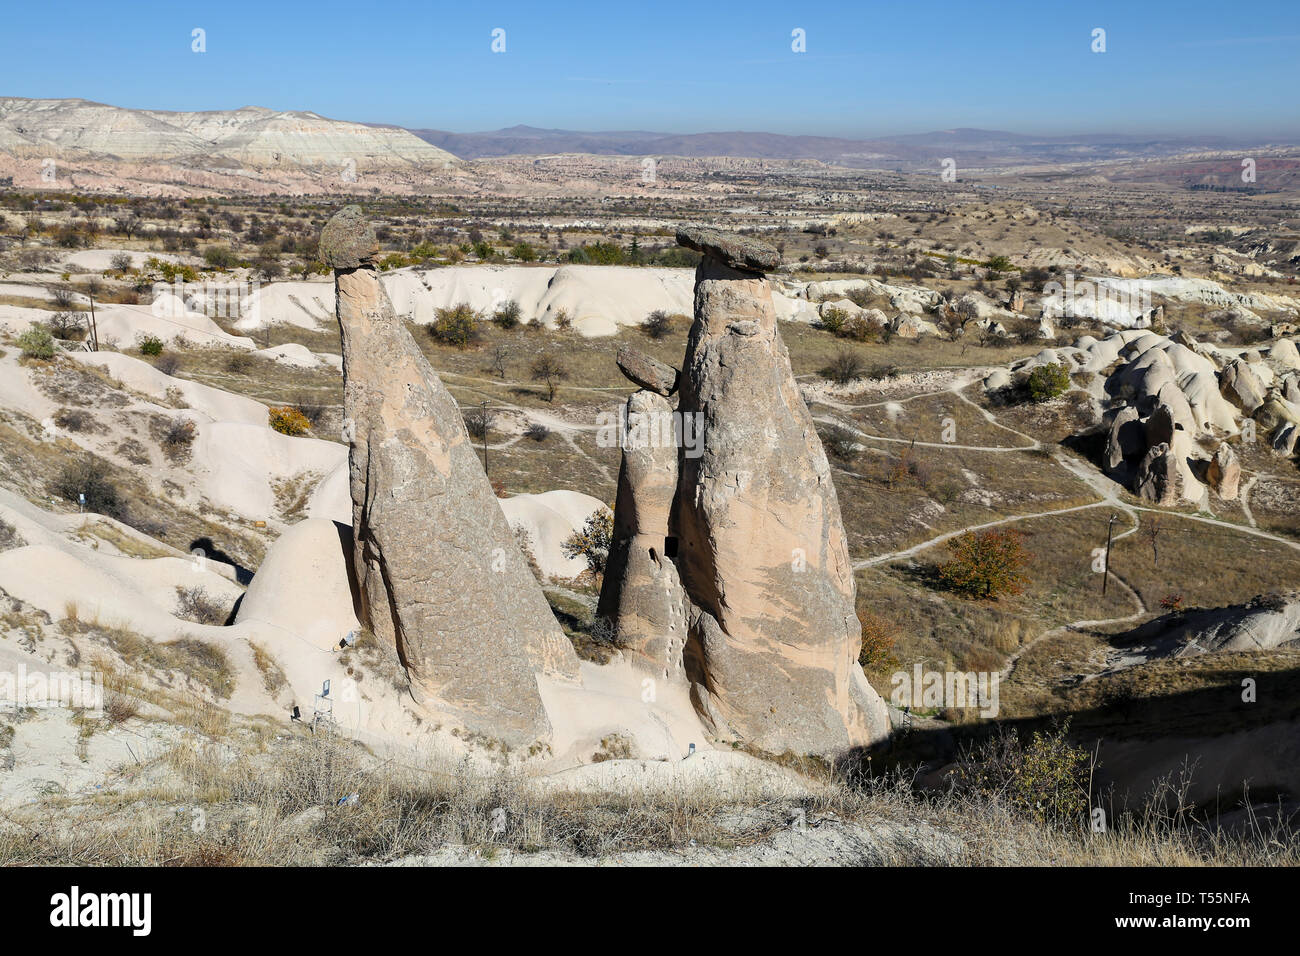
{"points": [[871, 68]]}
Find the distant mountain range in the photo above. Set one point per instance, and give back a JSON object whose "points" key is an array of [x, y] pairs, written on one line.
{"points": [[265, 143], [252, 137], [968, 146]]}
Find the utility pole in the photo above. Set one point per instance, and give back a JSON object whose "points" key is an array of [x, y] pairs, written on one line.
{"points": [[1105, 576], [484, 420], [94, 329]]}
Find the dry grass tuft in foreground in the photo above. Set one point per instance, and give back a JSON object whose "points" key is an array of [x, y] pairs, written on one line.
{"points": [[322, 800]]}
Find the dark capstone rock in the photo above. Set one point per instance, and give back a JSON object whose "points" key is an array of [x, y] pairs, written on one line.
{"points": [[739, 252], [348, 240], [647, 372]]}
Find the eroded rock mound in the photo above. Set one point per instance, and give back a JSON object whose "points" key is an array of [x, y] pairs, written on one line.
{"points": [[441, 579]]}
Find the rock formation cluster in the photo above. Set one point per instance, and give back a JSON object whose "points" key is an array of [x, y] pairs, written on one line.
{"points": [[729, 574], [739, 549]]}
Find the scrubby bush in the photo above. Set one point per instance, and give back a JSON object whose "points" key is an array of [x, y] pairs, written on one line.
{"points": [[1047, 382], [220, 258], [986, 564], [657, 324], [196, 605], [456, 325], [89, 477], [537, 432], [240, 363], [168, 364], [74, 419], [149, 345], [37, 343], [177, 437], [288, 420], [845, 367], [1046, 780], [507, 315], [833, 320]]}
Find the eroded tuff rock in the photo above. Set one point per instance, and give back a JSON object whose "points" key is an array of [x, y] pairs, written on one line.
{"points": [[441, 579], [774, 637], [1157, 476], [1126, 439], [646, 371], [642, 594], [1241, 386], [1224, 472]]}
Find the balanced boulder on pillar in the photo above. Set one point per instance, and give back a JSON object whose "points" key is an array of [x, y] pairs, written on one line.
{"points": [[773, 633], [441, 578]]}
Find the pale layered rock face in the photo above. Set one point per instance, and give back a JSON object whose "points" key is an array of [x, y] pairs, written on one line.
{"points": [[441, 578], [642, 593], [774, 636]]}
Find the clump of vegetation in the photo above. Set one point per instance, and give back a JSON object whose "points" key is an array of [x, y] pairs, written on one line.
{"points": [[877, 654], [9, 537], [197, 605], [456, 325], [149, 345], [657, 324], [537, 432], [845, 367], [986, 564], [90, 477], [1046, 779], [177, 437], [507, 315], [240, 363], [37, 343], [593, 541], [288, 420], [74, 419], [1047, 382]]}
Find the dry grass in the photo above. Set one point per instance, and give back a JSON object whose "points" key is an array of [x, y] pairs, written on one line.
{"points": [[319, 800]]}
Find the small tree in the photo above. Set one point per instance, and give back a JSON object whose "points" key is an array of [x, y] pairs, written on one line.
{"points": [[999, 264], [549, 369], [1047, 382], [986, 564], [500, 358], [593, 541]]}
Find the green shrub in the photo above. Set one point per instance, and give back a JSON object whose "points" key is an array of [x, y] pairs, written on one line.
{"points": [[149, 345], [37, 343], [457, 325], [1047, 382], [833, 320]]}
